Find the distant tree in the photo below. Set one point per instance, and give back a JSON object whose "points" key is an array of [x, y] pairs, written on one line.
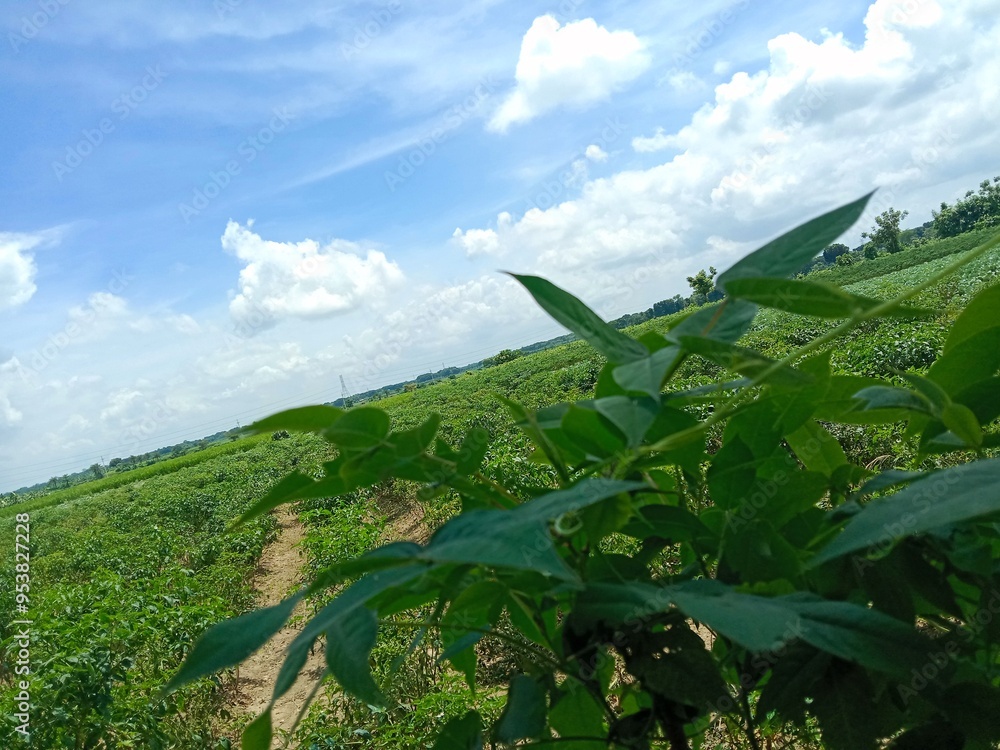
{"points": [[97, 470], [847, 259], [114, 463], [506, 355], [669, 306], [834, 251], [884, 236], [702, 284], [974, 211]]}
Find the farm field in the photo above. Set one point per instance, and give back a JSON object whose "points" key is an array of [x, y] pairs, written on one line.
{"points": [[126, 573]]}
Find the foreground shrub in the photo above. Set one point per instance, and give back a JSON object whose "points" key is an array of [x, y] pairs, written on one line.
{"points": [[668, 583]]}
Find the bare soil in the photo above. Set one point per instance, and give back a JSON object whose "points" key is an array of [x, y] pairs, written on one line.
{"points": [[279, 573]]}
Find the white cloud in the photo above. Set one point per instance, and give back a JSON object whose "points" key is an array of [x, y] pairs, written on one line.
{"points": [[17, 267], [8, 413], [576, 64], [685, 82], [595, 153], [184, 324], [826, 121], [303, 279], [656, 142]]}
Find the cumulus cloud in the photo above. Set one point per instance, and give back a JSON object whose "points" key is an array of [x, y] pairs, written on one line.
{"points": [[17, 267], [576, 64], [656, 142], [824, 122], [303, 279], [479, 312], [685, 82], [595, 153]]}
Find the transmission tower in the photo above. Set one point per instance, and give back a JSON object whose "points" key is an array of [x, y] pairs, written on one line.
{"points": [[345, 394]]}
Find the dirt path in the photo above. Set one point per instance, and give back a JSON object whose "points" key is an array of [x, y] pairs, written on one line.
{"points": [[279, 573]]}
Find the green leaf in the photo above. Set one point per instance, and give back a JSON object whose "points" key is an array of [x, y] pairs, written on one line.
{"points": [[497, 538], [577, 714], [646, 375], [581, 320], [524, 715], [473, 450], [230, 642], [732, 473], [295, 659], [973, 359], [723, 321], [759, 553], [792, 250], [981, 314], [474, 609], [890, 397], [852, 632], [356, 596], [744, 361], [797, 668], [812, 298], [304, 418], [349, 642], [359, 428], [257, 735], [930, 390], [408, 443], [675, 665], [961, 421], [762, 624], [461, 733], [633, 416], [816, 448], [591, 432], [961, 493], [844, 704], [281, 493], [666, 522], [983, 398], [583, 494]]}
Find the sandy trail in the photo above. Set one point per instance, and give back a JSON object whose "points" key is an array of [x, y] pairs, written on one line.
{"points": [[279, 573]]}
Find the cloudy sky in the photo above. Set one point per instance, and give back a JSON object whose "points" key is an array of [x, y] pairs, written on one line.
{"points": [[210, 211]]}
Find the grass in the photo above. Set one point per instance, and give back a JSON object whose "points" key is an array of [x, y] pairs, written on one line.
{"points": [[123, 478]]}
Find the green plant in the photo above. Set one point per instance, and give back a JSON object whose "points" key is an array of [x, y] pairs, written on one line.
{"points": [[700, 555]]}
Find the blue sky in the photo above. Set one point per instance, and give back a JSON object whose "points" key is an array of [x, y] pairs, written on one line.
{"points": [[211, 211]]}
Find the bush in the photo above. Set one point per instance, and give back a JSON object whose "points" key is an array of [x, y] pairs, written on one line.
{"points": [[701, 557]]}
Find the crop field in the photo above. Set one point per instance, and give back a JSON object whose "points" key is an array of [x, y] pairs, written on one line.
{"points": [[126, 573]]}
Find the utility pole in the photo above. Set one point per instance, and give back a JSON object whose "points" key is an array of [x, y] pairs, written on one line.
{"points": [[345, 394]]}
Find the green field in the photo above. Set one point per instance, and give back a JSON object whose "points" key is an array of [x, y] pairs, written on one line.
{"points": [[128, 571]]}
